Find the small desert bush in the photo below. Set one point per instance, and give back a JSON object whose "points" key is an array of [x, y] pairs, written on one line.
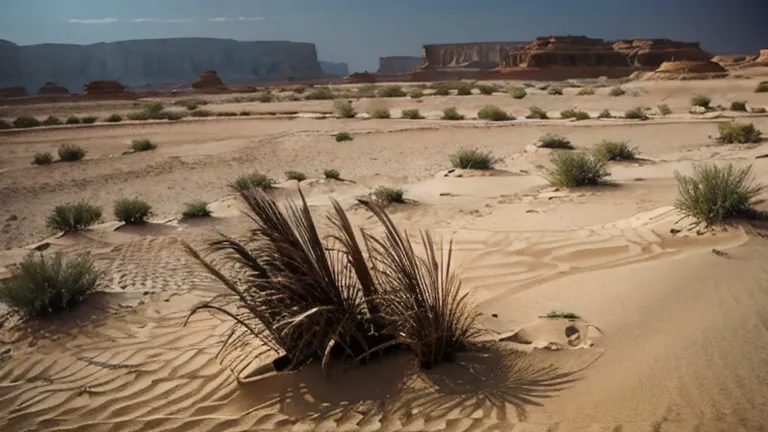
{"points": [[153, 108], [665, 110], [391, 91], [574, 169], [344, 109], [517, 92], [5, 124], [417, 94], [762, 87], [493, 113], [191, 104], [114, 118], [132, 211], [73, 217], [472, 158], [226, 114], [201, 113], [140, 145], [43, 158], [739, 106], [464, 90], [245, 113], [739, 133], [45, 284], [71, 152], [452, 114], [412, 114], [613, 151], [295, 175], [617, 91], [486, 89], [552, 141], [320, 93], [24, 122], [714, 194], [574, 114], [586, 91], [535, 112], [138, 116], [52, 121], [173, 115], [605, 114], [380, 113], [388, 195], [249, 181], [555, 91], [442, 89], [266, 97], [89, 119], [637, 113], [332, 174], [343, 136], [196, 209], [702, 101], [73, 120]]}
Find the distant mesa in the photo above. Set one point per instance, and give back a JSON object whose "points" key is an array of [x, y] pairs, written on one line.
{"points": [[13, 92], [691, 67], [565, 51], [654, 52], [398, 64], [51, 88], [334, 69], [103, 88], [477, 55], [734, 60], [209, 81], [360, 78]]}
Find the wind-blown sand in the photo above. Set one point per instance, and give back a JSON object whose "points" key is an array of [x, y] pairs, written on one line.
{"points": [[673, 336]]}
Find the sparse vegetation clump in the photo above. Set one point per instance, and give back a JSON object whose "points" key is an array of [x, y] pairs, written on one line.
{"points": [[617, 91], [266, 97], [555, 91], [614, 151], [586, 91], [665, 110], [89, 119], [388, 195], [46, 284], [637, 113], [715, 194], [701, 101], [73, 120], [250, 181], [295, 175], [552, 141], [473, 158], [52, 121], [73, 217], [331, 174], [517, 92], [605, 114], [391, 91], [412, 114], [535, 112], [493, 113], [320, 93], [758, 110], [486, 89], [442, 89], [738, 133], [132, 211], [43, 158], [226, 114], [245, 113], [196, 209], [344, 109], [739, 106], [574, 169], [71, 152], [762, 87], [4, 124], [140, 145], [452, 114], [24, 122], [574, 114], [559, 314], [343, 136], [463, 89], [201, 113], [191, 104], [114, 118], [381, 113], [417, 94]]}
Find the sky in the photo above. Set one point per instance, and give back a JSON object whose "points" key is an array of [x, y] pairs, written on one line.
{"points": [[358, 32]]}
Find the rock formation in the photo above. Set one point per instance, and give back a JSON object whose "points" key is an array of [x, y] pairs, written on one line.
{"points": [[334, 69], [209, 81], [51, 88], [398, 65], [103, 88], [648, 53], [763, 57], [156, 62], [480, 55], [733, 60], [565, 51], [13, 92], [691, 67], [360, 78]]}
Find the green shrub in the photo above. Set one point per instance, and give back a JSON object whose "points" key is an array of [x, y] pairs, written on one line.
{"points": [[617, 91], [493, 113], [196, 209], [586, 91], [191, 104], [138, 116], [344, 109], [52, 121], [140, 145], [605, 114], [714, 194], [555, 91], [388, 195], [702, 101], [254, 180], [442, 90], [267, 97], [517, 92], [452, 114], [665, 110], [4, 124], [637, 113], [380, 113], [472, 158], [154, 108], [486, 89], [173, 115], [48, 284], [574, 114], [132, 211], [226, 114], [343, 136], [331, 174], [24, 122], [417, 94], [71, 152], [73, 217], [412, 114], [391, 91], [574, 169], [552, 141], [73, 120], [366, 91], [739, 106], [536, 113], [43, 158], [295, 175], [762, 87], [320, 93], [114, 118], [614, 151], [464, 90], [89, 119], [739, 133], [245, 113], [201, 113]]}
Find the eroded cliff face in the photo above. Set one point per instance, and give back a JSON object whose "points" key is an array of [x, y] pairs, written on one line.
{"points": [[649, 53], [480, 55], [156, 62], [398, 64], [565, 51]]}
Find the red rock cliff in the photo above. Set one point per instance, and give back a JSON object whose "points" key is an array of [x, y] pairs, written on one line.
{"points": [[399, 64], [653, 52], [565, 51], [482, 55]]}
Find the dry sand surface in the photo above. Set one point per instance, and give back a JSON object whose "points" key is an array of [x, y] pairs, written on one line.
{"points": [[674, 337]]}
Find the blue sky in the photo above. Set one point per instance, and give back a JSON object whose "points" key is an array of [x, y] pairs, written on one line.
{"points": [[359, 31]]}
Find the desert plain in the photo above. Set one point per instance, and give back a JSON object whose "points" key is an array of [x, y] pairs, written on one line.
{"points": [[673, 320]]}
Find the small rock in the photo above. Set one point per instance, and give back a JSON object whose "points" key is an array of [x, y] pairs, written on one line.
{"points": [[495, 315], [698, 110], [674, 230], [12, 217]]}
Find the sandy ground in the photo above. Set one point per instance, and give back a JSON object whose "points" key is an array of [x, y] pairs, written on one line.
{"points": [[682, 333]]}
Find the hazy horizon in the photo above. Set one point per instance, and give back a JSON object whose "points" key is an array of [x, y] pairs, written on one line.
{"points": [[358, 32]]}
